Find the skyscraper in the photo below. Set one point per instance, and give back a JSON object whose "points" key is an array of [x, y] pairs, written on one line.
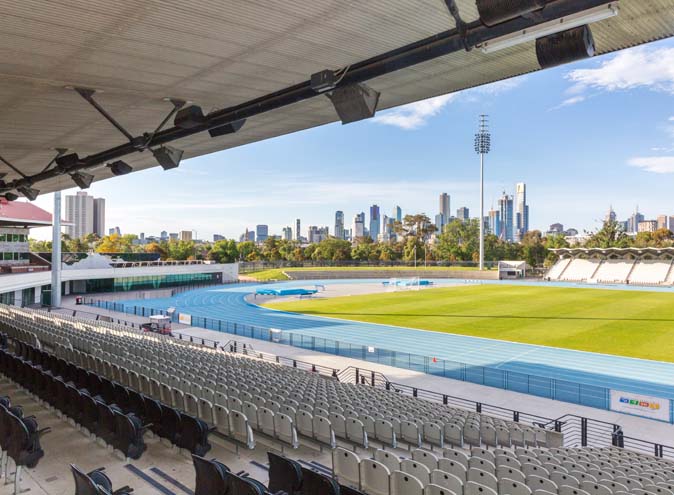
{"points": [[505, 205], [86, 214], [261, 232], [462, 214], [185, 235], [495, 222], [439, 222], [444, 208], [339, 224], [374, 221], [358, 229], [288, 233], [298, 235], [662, 222], [398, 214], [99, 216], [633, 221], [522, 220], [610, 216]]}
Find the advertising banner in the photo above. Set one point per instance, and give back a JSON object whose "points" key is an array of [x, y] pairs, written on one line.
{"points": [[185, 319], [640, 405]]}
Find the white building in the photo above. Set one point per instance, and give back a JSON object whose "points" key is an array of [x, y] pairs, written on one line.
{"points": [[86, 215]]}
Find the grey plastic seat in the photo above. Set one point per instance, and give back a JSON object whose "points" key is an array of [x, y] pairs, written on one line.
{"points": [[346, 467], [405, 484], [374, 477]]}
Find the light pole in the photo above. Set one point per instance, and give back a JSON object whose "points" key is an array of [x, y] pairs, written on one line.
{"points": [[482, 147]]}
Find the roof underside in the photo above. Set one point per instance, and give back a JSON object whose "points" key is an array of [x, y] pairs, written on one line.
{"points": [[219, 54]]}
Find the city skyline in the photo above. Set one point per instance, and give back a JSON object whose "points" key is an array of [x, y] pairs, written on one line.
{"points": [[409, 154]]}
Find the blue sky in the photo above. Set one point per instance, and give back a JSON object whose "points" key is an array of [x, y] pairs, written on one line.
{"points": [[582, 136]]}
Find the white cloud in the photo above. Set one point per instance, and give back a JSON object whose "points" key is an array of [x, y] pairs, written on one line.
{"points": [[415, 115], [671, 119], [640, 67], [655, 164], [569, 102]]}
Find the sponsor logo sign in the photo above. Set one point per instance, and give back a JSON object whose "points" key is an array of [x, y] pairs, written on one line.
{"points": [[640, 405], [185, 319]]}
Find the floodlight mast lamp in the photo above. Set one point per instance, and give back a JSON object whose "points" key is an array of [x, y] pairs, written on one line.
{"points": [[482, 147]]}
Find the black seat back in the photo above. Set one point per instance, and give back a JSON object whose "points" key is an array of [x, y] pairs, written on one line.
{"points": [[284, 474], [245, 486], [347, 490], [212, 477], [84, 485], [314, 483], [170, 423], [193, 435], [128, 437]]}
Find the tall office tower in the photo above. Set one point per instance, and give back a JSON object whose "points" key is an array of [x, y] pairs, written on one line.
{"points": [[440, 222], [163, 235], [261, 232], [522, 224], [339, 224], [358, 229], [185, 235], [298, 235], [317, 234], [173, 236], [287, 233], [495, 222], [610, 216], [398, 214], [80, 213], [99, 216], [374, 221], [633, 221], [670, 225], [444, 208], [115, 230], [463, 214], [662, 222], [218, 237], [505, 205]]}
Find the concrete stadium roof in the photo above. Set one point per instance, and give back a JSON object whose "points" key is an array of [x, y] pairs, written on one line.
{"points": [[222, 55], [667, 252]]}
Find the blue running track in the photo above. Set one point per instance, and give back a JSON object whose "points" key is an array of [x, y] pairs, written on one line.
{"points": [[614, 372]]}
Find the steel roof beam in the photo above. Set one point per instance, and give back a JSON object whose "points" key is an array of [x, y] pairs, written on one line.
{"points": [[430, 48]]}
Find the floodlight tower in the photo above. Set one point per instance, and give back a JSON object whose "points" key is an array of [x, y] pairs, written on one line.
{"points": [[482, 147]]}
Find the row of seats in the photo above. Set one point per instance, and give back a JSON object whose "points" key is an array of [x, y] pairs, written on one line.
{"points": [[116, 414], [286, 476], [278, 401], [19, 440], [95, 482], [506, 472]]}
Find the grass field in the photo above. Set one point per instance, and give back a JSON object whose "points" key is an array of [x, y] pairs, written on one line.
{"points": [[278, 273], [627, 323]]}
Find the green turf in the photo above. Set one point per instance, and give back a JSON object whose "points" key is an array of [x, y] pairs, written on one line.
{"points": [[627, 323], [278, 273]]}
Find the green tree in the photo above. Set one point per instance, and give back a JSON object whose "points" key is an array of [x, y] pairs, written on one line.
{"points": [[610, 235], [180, 250], [332, 249], [224, 251], [248, 251], [459, 241], [534, 250]]}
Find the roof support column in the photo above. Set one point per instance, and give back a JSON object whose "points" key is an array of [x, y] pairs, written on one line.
{"points": [[56, 253]]}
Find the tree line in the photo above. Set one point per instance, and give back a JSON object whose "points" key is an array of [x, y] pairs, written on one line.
{"points": [[458, 242]]}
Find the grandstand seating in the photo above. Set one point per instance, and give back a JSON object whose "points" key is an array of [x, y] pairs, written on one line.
{"points": [[650, 272], [613, 271], [240, 395], [19, 440], [66, 361], [580, 270], [519, 471], [558, 268]]}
